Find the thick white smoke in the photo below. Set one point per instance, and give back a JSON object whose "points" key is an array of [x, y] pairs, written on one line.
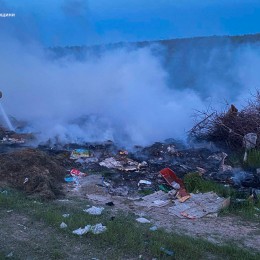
{"points": [[123, 95]]}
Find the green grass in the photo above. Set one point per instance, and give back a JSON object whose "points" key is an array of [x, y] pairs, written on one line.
{"points": [[246, 209], [124, 235], [2, 256], [195, 183], [253, 159]]}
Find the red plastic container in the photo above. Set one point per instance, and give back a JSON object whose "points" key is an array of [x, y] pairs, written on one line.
{"points": [[170, 177]]}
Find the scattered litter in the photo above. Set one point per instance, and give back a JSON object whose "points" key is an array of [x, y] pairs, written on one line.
{"points": [[171, 149], [75, 179], [143, 164], [69, 179], [111, 203], [37, 202], [125, 164], [175, 185], [166, 251], [94, 210], [65, 215], [249, 140], [25, 180], [241, 200], [217, 157], [144, 182], [123, 152], [98, 229], [153, 228], [199, 205], [9, 211], [184, 167], [111, 163], [10, 140], [143, 220], [222, 166], [80, 153], [107, 184], [24, 227], [172, 194], [95, 229], [82, 231], [201, 171], [253, 195], [75, 172], [63, 225], [164, 187]]}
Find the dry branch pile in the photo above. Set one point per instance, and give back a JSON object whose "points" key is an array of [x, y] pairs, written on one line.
{"points": [[227, 129]]}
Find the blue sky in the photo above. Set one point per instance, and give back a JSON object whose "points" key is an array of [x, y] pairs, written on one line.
{"points": [[79, 22]]}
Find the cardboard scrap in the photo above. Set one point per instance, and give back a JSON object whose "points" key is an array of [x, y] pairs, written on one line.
{"points": [[123, 164], [199, 205], [80, 153], [157, 199]]}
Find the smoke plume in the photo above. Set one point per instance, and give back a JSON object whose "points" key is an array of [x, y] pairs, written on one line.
{"points": [[129, 95]]}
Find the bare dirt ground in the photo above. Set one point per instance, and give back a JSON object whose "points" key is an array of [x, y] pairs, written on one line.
{"points": [[219, 230], [23, 237]]}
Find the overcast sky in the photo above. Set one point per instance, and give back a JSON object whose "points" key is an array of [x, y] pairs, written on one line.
{"points": [[78, 22]]}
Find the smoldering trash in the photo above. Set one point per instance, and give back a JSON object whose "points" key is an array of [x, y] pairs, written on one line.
{"points": [[151, 177]]}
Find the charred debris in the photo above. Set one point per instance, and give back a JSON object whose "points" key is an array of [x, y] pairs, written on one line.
{"points": [[44, 171]]}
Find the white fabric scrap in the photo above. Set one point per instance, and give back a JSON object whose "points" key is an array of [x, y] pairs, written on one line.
{"points": [[153, 228], [94, 210], [98, 229], [95, 229], [63, 225], [143, 220], [82, 231], [144, 182]]}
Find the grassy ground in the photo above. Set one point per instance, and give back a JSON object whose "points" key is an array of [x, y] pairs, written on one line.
{"points": [[124, 238]]}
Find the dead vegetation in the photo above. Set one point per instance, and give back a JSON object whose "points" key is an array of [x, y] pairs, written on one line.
{"points": [[227, 129], [33, 172]]}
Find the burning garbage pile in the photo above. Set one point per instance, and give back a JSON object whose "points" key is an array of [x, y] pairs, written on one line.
{"points": [[123, 172], [140, 173], [126, 177]]}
